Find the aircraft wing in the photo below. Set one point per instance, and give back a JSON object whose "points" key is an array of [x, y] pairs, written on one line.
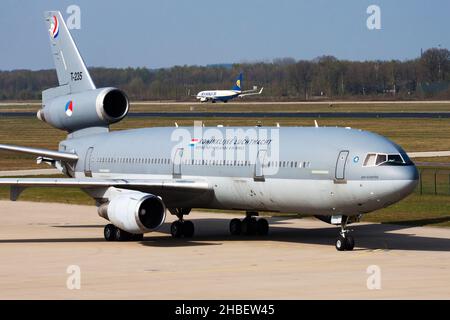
{"points": [[19, 184], [55, 155], [250, 93]]}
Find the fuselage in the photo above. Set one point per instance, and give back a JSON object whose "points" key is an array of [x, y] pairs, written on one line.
{"points": [[217, 95], [317, 171]]}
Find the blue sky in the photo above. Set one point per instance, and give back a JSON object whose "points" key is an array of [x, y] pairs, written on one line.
{"points": [[163, 33]]}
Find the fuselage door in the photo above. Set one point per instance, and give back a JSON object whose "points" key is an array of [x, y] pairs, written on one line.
{"points": [[87, 162], [259, 165], [177, 158], [340, 165]]}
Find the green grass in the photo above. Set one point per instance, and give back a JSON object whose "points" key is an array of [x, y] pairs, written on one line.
{"points": [[257, 106], [434, 181], [237, 106], [415, 210], [412, 134], [50, 194]]}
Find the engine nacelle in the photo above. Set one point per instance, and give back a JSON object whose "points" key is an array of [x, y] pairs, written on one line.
{"points": [[135, 212], [93, 108]]}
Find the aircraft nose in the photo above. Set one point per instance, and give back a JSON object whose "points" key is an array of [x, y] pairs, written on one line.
{"points": [[409, 177]]}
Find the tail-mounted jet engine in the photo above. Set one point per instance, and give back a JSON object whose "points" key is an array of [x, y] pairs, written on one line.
{"points": [[92, 108]]}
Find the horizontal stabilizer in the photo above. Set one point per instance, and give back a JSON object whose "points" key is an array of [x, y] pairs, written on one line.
{"points": [[55, 155]]}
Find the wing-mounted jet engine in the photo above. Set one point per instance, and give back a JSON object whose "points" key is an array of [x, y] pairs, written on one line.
{"points": [[132, 214]]}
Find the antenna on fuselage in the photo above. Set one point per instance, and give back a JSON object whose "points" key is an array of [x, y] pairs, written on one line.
{"points": [[316, 124], [176, 125]]}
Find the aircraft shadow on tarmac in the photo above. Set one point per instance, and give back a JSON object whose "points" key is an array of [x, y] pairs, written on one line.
{"points": [[215, 232], [368, 237]]}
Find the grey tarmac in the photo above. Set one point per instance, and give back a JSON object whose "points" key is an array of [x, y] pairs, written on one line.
{"points": [[297, 260]]}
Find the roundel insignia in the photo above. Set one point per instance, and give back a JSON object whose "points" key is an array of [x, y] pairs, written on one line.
{"points": [[356, 159], [69, 108], [54, 27]]}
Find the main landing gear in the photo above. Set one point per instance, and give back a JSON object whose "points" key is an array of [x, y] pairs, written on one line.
{"points": [[344, 241], [181, 227], [112, 233], [249, 225]]}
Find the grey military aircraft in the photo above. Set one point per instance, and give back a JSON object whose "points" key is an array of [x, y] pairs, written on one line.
{"points": [[335, 174]]}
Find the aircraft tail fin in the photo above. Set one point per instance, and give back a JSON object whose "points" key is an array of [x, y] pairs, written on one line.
{"points": [[70, 68], [238, 83]]}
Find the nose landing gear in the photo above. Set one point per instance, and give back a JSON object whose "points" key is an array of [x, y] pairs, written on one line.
{"points": [[345, 242]]}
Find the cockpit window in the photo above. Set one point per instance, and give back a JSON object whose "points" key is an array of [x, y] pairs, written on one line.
{"points": [[406, 158], [383, 159], [370, 160], [394, 160]]}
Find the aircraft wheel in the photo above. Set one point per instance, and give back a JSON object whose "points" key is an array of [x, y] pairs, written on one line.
{"points": [[188, 229], [110, 232], [349, 243], [176, 229], [137, 237], [235, 227], [340, 243], [122, 235], [262, 227], [249, 226]]}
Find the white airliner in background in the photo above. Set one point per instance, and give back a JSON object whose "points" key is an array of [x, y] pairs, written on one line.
{"points": [[225, 95]]}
